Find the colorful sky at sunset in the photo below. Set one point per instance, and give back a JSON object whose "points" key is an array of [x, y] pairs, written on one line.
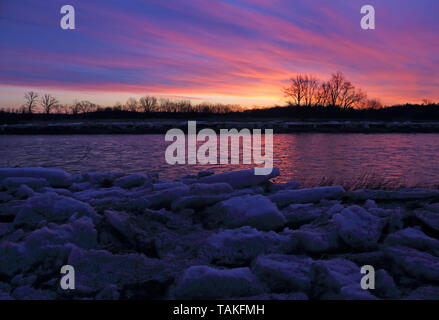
{"points": [[231, 51]]}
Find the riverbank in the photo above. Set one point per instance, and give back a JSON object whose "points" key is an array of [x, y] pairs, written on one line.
{"points": [[212, 236], [162, 126]]}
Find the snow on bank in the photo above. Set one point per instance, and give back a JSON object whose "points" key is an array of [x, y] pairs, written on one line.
{"points": [[211, 236], [279, 126]]}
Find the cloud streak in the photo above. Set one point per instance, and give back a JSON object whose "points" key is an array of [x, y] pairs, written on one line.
{"points": [[218, 50]]}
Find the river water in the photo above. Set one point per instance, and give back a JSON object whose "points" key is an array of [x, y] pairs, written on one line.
{"points": [[409, 159]]}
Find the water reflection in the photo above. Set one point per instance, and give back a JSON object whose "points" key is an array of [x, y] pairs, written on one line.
{"points": [[409, 158]]}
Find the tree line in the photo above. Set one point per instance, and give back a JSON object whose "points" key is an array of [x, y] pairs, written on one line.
{"points": [[303, 90], [47, 104], [307, 90]]}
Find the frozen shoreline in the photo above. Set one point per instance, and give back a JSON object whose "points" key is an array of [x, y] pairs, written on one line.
{"points": [[279, 126], [232, 235]]}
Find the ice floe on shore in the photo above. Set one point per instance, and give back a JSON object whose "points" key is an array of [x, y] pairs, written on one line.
{"points": [[232, 235]]}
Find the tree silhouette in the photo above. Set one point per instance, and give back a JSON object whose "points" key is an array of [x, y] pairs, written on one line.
{"points": [[302, 88], [131, 105], [307, 90], [31, 101], [335, 87], [48, 102], [148, 103], [374, 104]]}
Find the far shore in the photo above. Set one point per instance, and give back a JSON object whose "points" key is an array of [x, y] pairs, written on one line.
{"points": [[161, 126]]}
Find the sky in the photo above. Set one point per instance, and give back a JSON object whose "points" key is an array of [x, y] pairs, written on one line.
{"points": [[231, 51]]}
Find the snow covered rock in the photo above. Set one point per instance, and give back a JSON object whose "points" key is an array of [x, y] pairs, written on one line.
{"points": [[286, 197], [167, 185], [205, 173], [239, 247], [432, 207], [128, 182], [59, 191], [9, 210], [415, 239], [210, 189], [115, 198], [81, 186], [5, 228], [110, 292], [350, 292], [29, 293], [290, 185], [14, 258], [203, 282], [256, 211], [300, 214], [13, 183], [57, 178], [396, 220], [100, 179], [165, 198], [317, 238], [93, 194], [417, 264], [96, 269], [53, 208], [358, 228], [373, 258], [383, 195], [248, 191], [430, 218], [198, 201], [284, 273], [126, 226], [370, 204], [5, 197], [240, 179], [202, 195], [80, 232], [4, 296], [23, 192], [385, 287], [424, 293], [330, 276]]}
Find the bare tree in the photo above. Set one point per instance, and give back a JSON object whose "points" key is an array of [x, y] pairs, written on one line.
{"points": [[295, 91], [303, 90], [342, 93], [31, 101], [311, 86], [117, 106], [322, 94], [75, 107], [351, 97], [148, 103], [86, 106], [131, 105], [336, 85], [307, 90], [48, 102], [427, 102], [374, 104], [61, 108]]}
